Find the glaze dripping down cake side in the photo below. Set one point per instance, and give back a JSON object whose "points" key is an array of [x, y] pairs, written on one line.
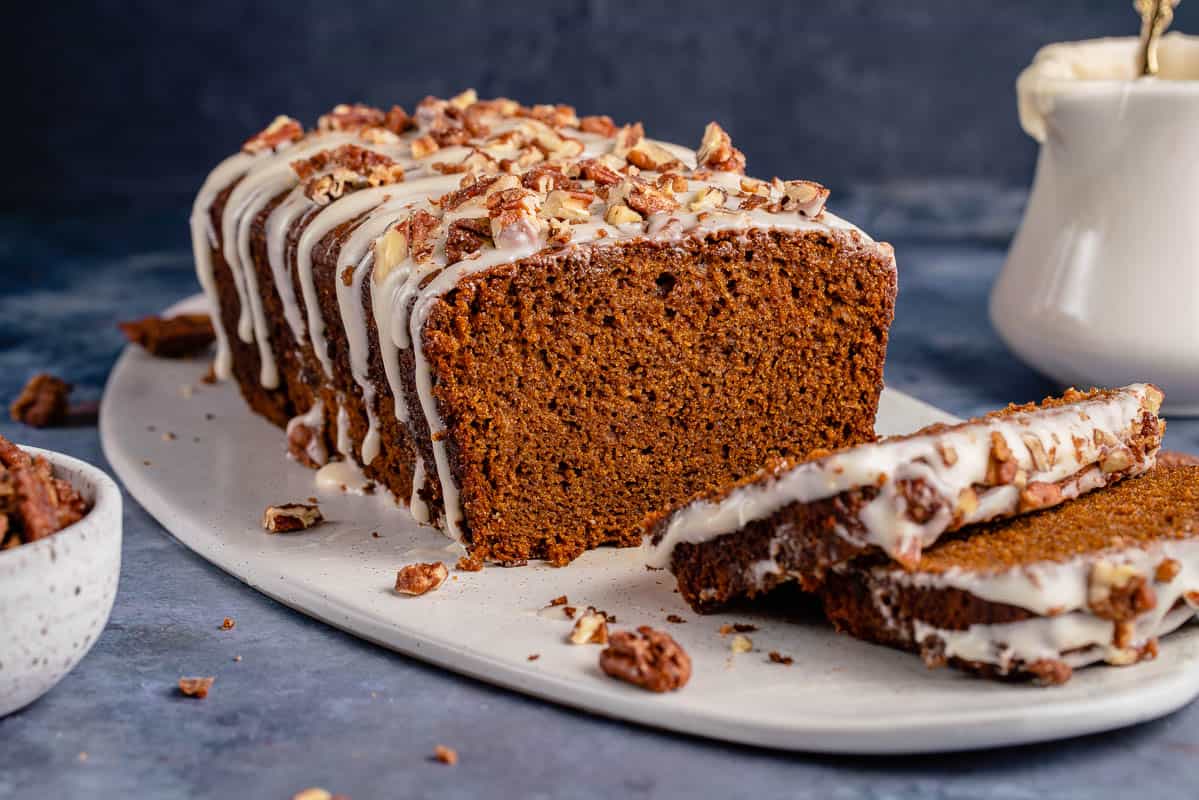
{"points": [[536, 328]]}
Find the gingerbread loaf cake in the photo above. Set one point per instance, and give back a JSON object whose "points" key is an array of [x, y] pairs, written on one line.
{"points": [[1098, 579], [794, 521], [535, 328]]}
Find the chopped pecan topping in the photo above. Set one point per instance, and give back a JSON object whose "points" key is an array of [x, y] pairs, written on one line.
{"points": [[423, 146], [174, 337], [414, 236], [472, 188], [418, 579], [348, 167], [465, 99], [443, 121], [527, 157], [671, 182], [643, 197], [195, 687], [397, 120], [1118, 592], [546, 178], [379, 136], [716, 151], [568, 205], [590, 628], [1002, 467], [43, 403], [748, 202], [559, 233], [592, 169], [620, 214], [755, 186], [647, 658], [603, 125], [290, 517], [1041, 459], [920, 501], [1117, 460], [806, 197], [513, 214], [708, 198], [466, 236], [345, 117], [281, 130], [558, 116], [1039, 494], [632, 146]]}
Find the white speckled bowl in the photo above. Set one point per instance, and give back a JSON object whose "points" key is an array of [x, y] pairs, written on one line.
{"points": [[56, 594]]}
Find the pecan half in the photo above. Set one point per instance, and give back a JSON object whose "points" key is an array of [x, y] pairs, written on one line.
{"points": [[647, 658]]}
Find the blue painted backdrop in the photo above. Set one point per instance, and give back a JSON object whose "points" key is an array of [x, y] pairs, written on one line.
{"points": [[131, 102]]}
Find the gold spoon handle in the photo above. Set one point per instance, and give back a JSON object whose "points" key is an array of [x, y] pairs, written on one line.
{"points": [[1156, 16]]}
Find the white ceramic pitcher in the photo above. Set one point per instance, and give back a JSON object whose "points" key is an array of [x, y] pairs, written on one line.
{"points": [[1101, 285]]}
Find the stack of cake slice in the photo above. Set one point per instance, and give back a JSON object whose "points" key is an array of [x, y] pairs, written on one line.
{"points": [[966, 542]]}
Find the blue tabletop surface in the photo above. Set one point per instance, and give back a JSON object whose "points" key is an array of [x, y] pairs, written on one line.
{"points": [[308, 705]]}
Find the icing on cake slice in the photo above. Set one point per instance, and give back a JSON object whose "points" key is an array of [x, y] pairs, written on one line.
{"points": [[794, 521], [1099, 579]]}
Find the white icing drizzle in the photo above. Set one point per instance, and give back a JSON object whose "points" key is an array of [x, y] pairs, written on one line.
{"points": [[343, 476], [884, 464], [416, 503], [343, 428], [269, 177], [1058, 592], [204, 241], [314, 420]]}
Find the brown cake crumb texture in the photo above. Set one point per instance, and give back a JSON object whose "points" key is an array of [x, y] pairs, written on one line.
{"points": [[445, 755], [1160, 506], [647, 658], [43, 402], [33, 503], [171, 337]]}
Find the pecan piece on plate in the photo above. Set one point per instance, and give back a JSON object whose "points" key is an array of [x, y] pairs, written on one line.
{"points": [[646, 658]]}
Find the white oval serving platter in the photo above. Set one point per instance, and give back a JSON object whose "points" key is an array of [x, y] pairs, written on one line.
{"points": [[209, 485]]}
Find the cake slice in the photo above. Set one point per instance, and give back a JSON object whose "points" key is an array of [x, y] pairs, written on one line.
{"points": [[794, 521], [1097, 579]]}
